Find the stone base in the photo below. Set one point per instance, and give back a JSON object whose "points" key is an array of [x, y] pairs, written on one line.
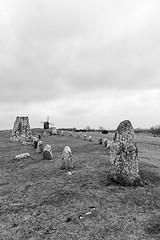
{"points": [[127, 180]]}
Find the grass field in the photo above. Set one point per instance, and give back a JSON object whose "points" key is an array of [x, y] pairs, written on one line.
{"points": [[38, 200]]}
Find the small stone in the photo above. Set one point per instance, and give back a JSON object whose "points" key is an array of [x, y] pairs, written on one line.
{"points": [[100, 141], [47, 152], [35, 142], [23, 155], [40, 147], [90, 138], [105, 142], [88, 213], [84, 137]]}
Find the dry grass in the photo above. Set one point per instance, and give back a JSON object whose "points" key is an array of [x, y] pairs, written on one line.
{"points": [[38, 200]]}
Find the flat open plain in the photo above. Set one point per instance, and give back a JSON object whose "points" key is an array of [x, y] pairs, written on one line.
{"points": [[39, 200]]}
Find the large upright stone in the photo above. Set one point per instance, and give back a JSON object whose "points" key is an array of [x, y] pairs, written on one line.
{"points": [[21, 130], [47, 152], [124, 155], [67, 161]]}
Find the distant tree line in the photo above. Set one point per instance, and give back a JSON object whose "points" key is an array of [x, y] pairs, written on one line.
{"points": [[87, 129], [155, 130]]}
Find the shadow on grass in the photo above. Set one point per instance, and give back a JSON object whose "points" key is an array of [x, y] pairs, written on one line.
{"points": [[147, 177], [107, 179], [151, 177]]}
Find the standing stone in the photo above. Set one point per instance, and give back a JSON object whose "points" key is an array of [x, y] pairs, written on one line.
{"points": [[67, 161], [54, 131], [62, 133], [90, 138], [105, 142], [35, 142], [21, 130], [100, 141], [45, 134], [78, 136], [40, 147], [70, 134], [47, 152], [124, 155], [84, 137]]}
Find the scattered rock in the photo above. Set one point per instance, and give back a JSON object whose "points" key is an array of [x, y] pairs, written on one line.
{"points": [[45, 134], [23, 155], [26, 143]]}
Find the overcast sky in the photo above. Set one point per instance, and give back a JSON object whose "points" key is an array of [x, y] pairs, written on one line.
{"points": [[80, 62]]}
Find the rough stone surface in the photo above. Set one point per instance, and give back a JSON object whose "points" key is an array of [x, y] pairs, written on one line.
{"points": [[21, 130], [124, 155], [67, 160], [47, 152], [40, 147]]}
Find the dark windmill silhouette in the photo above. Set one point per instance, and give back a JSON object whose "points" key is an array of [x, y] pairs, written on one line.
{"points": [[47, 124]]}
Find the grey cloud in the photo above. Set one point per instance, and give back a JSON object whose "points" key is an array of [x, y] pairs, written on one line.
{"points": [[60, 48]]}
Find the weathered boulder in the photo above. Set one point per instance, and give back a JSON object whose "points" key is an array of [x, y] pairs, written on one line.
{"points": [[40, 147], [67, 161], [47, 152], [124, 155]]}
